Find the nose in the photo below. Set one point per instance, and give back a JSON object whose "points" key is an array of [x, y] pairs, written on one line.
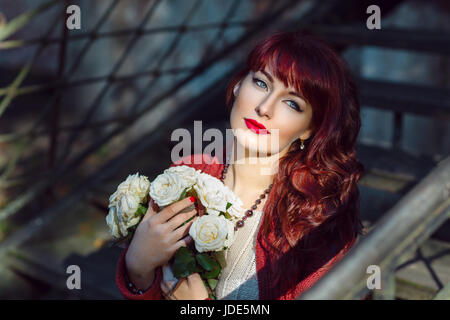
{"points": [[266, 107]]}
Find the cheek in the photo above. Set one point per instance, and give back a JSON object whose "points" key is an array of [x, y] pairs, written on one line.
{"points": [[292, 126], [247, 99], [244, 106], [287, 134]]}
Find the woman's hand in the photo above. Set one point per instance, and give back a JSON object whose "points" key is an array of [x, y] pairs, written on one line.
{"points": [[190, 288], [157, 238]]}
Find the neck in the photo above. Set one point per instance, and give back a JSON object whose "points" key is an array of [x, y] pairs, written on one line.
{"points": [[249, 173]]}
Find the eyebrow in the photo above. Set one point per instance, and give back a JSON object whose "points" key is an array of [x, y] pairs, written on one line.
{"points": [[290, 92], [267, 75]]}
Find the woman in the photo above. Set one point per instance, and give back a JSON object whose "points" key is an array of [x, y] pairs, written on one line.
{"points": [[304, 213]]}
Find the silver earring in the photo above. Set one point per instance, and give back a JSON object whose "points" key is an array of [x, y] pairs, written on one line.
{"points": [[236, 89], [302, 146]]}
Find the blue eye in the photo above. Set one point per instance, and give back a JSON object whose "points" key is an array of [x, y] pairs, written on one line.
{"points": [[295, 105], [257, 81], [263, 85]]}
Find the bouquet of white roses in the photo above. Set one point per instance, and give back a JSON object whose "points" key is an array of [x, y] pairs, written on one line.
{"points": [[212, 232]]}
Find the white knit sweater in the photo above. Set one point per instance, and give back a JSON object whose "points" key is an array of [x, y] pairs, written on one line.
{"points": [[238, 280]]}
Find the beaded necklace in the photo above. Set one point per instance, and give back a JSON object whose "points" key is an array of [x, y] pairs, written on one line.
{"points": [[248, 213]]}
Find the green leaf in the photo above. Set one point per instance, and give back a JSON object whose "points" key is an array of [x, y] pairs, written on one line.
{"points": [[212, 283], [194, 268], [227, 215], [205, 261], [228, 205], [183, 194], [184, 263], [214, 273], [187, 221], [220, 257], [141, 210]]}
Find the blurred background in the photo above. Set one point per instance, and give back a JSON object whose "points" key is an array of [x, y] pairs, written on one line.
{"points": [[81, 109]]}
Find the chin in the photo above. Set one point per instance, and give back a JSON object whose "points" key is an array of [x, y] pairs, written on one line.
{"points": [[252, 142]]}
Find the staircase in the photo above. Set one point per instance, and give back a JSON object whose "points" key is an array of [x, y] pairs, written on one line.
{"points": [[79, 235]]}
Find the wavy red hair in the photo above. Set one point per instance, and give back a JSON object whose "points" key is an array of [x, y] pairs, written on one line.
{"points": [[313, 206]]}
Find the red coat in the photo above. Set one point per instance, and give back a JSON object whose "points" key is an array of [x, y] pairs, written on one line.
{"points": [[266, 292]]}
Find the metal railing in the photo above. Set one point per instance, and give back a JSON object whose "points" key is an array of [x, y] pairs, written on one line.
{"points": [[406, 225], [396, 235]]}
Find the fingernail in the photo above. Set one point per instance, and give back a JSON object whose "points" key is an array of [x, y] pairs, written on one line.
{"points": [[192, 199]]}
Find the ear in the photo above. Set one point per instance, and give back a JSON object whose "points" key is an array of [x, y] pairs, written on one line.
{"points": [[305, 135], [236, 89]]}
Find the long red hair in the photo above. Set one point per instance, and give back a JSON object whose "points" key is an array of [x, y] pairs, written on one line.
{"points": [[313, 206]]}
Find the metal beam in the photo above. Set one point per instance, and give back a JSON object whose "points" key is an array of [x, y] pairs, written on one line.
{"points": [[358, 34], [401, 97]]}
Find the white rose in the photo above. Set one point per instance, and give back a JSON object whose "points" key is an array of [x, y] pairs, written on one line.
{"points": [[187, 174], [135, 183], [212, 233], [124, 202], [121, 217], [211, 193], [139, 185], [166, 188], [114, 223], [127, 207], [236, 210]]}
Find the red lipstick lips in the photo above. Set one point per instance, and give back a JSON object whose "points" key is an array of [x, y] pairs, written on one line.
{"points": [[255, 126]]}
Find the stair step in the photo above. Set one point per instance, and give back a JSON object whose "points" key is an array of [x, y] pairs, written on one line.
{"points": [[398, 164], [416, 281], [388, 176], [384, 180], [83, 242], [413, 279], [15, 285], [444, 294], [97, 272]]}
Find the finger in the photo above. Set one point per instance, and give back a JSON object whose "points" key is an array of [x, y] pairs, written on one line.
{"points": [[165, 295], [193, 277], [183, 231], [165, 288], [178, 220], [173, 297], [174, 209], [168, 290], [195, 281], [182, 282], [181, 285], [184, 242], [151, 210]]}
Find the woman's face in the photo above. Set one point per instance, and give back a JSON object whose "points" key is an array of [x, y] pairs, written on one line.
{"points": [[262, 97]]}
